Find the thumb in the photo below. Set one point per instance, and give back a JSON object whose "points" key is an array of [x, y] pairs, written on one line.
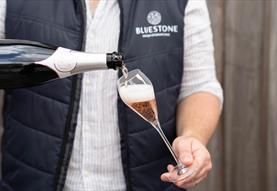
{"points": [[183, 148]]}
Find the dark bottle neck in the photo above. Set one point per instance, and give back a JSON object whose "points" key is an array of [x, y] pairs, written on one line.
{"points": [[114, 60]]}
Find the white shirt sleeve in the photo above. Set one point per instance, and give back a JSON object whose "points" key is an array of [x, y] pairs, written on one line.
{"points": [[199, 73], [2, 18]]}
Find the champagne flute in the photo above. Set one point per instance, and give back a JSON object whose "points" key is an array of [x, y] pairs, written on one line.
{"points": [[137, 92]]}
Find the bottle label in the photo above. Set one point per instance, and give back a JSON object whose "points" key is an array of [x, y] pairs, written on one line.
{"points": [[62, 62]]}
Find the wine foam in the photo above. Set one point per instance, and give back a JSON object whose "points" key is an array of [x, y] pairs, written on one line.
{"points": [[136, 93]]}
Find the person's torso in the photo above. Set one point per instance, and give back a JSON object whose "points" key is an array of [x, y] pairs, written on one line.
{"points": [[40, 122]]}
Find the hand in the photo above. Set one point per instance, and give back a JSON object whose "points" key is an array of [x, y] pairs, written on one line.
{"points": [[195, 156]]}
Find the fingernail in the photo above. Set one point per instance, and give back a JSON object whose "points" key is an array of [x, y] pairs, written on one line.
{"points": [[164, 178]]}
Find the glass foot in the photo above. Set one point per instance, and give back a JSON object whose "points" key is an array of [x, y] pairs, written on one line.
{"points": [[180, 172]]}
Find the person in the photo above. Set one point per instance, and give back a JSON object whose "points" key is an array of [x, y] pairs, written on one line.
{"points": [[76, 134]]}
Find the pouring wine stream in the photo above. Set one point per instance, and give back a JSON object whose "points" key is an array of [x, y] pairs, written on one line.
{"points": [[125, 73]]}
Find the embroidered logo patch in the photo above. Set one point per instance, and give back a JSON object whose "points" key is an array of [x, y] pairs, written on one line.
{"points": [[154, 18], [156, 28]]}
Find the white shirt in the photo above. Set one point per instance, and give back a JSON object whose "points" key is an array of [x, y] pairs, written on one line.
{"points": [[95, 164]]}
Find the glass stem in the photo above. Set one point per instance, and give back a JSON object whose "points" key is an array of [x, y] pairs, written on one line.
{"points": [[157, 126]]}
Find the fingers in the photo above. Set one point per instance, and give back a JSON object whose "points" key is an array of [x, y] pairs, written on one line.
{"points": [[166, 176], [197, 177], [201, 165], [201, 172], [170, 167], [197, 172], [195, 156], [192, 183]]}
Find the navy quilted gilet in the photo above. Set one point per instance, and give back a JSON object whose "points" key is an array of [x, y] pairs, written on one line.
{"points": [[40, 121]]}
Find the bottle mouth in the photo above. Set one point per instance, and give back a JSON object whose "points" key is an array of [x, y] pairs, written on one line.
{"points": [[114, 60]]}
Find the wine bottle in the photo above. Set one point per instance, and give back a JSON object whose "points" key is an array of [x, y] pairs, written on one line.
{"points": [[27, 63]]}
